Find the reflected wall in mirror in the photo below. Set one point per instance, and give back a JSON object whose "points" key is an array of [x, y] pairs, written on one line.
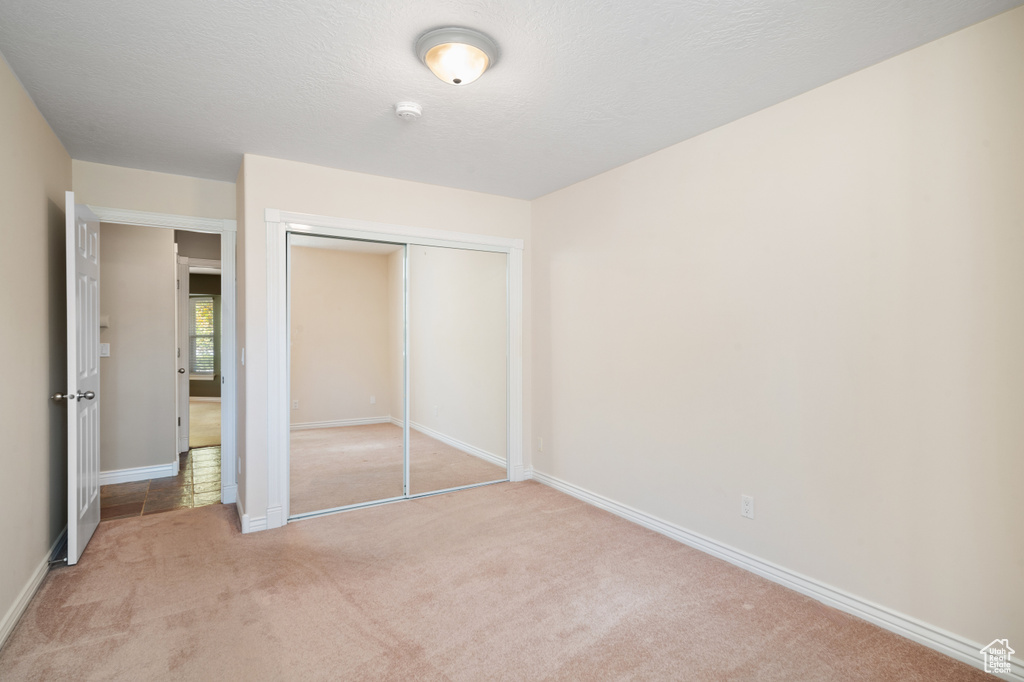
{"points": [[458, 340], [346, 375]]}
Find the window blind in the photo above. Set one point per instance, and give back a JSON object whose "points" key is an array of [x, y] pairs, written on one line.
{"points": [[202, 347]]}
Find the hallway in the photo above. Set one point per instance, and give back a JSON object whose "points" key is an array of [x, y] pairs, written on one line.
{"points": [[196, 485]]}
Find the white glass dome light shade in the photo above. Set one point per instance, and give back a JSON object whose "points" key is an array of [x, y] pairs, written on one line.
{"points": [[458, 56], [456, 63]]}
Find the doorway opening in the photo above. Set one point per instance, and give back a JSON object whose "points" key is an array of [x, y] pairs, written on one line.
{"points": [[166, 336]]}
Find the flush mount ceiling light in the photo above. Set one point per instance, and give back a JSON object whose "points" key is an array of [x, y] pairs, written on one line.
{"points": [[458, 56]]}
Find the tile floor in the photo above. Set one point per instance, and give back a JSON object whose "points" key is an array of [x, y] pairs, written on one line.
{"points": [[197, 484]]}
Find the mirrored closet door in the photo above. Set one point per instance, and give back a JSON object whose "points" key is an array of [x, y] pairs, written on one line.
{"points": [[347, 372], [458, 334], [378, 328]]}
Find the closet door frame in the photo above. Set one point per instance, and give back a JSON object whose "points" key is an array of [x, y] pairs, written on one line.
{"points": [[279, 225]]}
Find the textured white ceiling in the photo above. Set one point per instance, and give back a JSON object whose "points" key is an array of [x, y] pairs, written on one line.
{"points": [[187, 86]]}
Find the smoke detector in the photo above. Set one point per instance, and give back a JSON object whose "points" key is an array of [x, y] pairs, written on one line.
{"points": [[408, 111]]}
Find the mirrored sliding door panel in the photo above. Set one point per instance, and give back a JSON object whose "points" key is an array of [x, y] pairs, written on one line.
{"points": [[458, 398], [346, 325]]}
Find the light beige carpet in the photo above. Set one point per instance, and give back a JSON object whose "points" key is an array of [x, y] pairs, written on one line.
{"points": [[513, 581], [353, 464], [203, 424]]}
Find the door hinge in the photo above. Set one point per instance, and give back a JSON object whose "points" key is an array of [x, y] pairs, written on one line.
{"points": [[179, 421], [179, 352], [178, 282]]}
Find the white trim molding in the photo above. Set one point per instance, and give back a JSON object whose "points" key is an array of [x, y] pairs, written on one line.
{"points": [[24, 598], [402, 234], [253, 524], [930, 636], [249, 524], [228, 494], [175, 222], [305, 426], [139, 473]]}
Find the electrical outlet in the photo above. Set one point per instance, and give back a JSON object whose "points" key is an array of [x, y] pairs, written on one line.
{"points": [[373, 400], [747, 506], [295, 404], [540, 445], [437, 410]]}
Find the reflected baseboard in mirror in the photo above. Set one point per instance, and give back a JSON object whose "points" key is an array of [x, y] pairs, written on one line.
{"points": [[458, 357], [349, 465]]}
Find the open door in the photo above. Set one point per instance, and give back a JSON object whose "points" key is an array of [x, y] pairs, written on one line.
{"points": [[184, 352], [83, 399]]}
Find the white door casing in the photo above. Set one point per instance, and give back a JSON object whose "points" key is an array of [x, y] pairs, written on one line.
{"points": [[83, 356], [184, 353]]}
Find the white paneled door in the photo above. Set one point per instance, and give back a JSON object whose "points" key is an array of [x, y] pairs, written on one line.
{"points": [[83, 396]]}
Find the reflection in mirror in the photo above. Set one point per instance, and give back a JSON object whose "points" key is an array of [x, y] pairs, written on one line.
{"points": [[346, 373], [458, 338]]}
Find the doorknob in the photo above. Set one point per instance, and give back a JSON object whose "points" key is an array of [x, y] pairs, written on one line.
{"points": [[181, 370], [57, 397], [88, 395]]}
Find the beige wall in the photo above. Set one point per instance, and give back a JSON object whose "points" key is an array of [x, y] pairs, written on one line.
{"points": [[339, 335], [137, 381], [458, 334], [821, 306], [129, 188], [292, 186], [35, 171]]}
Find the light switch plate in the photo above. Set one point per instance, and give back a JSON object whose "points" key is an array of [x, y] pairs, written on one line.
{"points": [[104, 350]]}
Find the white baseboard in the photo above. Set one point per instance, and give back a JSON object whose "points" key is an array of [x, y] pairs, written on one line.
{"points": [[250, 524], [459, 445], [930, 636], [24, 598], [229, 494], [240, 510], [448, 440], [203, 399], [304, 426], [253, 524], [139, 473]]}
